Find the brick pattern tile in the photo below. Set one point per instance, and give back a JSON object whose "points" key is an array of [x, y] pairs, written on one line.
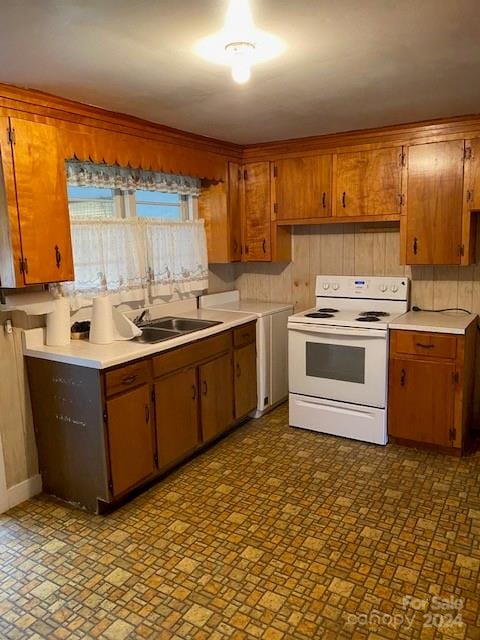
{"points": [[274, 533]]}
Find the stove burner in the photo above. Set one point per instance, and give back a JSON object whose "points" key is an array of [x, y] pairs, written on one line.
{"points": [[380, 314], [317, 314], [368, 319], [327, 310]]}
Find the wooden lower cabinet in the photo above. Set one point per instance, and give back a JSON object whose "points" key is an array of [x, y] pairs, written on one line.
{"points": [[216, 400], [245, 372], [176, 411], [430, 390], [101, 434], [130, 438]]}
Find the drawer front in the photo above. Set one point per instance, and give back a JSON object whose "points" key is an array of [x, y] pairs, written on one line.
{"points": [[191, 354], [245, 334], [127, 377], [421, 343]]}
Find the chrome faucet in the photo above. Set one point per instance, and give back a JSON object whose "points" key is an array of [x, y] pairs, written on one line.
{"points": [[144, 316]]}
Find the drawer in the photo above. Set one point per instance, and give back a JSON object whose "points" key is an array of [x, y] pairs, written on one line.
{"points": [[191, 354], [421, 343], [127, 377], [245, 334]]}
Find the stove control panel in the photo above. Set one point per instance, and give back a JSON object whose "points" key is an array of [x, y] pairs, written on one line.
{"points": [[374, 287]]}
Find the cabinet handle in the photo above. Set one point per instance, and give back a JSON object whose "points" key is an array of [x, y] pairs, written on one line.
{"points": [[129, 379], [194, 392], [264, 246], [415, 246], [403, 375], [324, 200], [147, 413], [239, 371], [344, 199], [424, 346], [58, 256], [205, 388]]}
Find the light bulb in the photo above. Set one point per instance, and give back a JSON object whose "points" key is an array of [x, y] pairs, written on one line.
{"points": [[241, 71]]}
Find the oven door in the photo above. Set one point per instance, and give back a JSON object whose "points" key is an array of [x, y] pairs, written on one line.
{"points": [[347, 364]]}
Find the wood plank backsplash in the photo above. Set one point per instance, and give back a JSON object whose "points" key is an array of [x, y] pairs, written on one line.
{"points": [[355, 250]]}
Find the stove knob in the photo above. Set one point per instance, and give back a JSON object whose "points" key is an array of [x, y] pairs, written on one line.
{"points": [[335, 286], [383, 288], [326, 285], [394, 288]]}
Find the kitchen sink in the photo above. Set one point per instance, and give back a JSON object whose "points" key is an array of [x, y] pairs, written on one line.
{"points": [[171, 327], [184, 325]]}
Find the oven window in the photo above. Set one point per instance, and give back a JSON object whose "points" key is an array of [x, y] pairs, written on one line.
{"points": [[336, 362]]}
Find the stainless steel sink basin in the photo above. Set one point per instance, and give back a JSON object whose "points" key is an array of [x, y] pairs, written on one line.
{"points": [[184, 325], [171, 327], [151, 335]]}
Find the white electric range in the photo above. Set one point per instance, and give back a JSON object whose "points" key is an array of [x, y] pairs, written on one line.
{"points": [[338, 356]]}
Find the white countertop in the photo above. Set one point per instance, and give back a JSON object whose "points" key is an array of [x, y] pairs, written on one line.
{"points": [[231, 301], [439, 322], [102, 356]]}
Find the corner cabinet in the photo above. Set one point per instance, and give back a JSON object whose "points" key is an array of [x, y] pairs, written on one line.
{"points": [[34, 220], [238, 217], [430, 397], [103, 434]]}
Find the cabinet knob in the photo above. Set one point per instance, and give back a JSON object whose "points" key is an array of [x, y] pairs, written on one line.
{"points": [[415, 246], [205, 388], [324, 200], [403, 376], [264, 246], [344, 199]]}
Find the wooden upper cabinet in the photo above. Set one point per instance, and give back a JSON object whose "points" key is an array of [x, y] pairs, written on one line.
{"points": [[434, 203], [303, 187], [41, 191], [257, 212], [130, 438], [235, 186], [472, 174], [368, 183]]}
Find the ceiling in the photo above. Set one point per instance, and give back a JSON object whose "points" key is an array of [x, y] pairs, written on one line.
{"points": [[350, 64]]}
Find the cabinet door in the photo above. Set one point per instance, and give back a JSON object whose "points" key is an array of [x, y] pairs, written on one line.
{"points": [[176, 410], [256, 211], [368, 183], [235, 185], [434, 203], [303, 187], [245, 368], [130, 438], [472, 174], [421, 401], [216, 399], [42, 202]]}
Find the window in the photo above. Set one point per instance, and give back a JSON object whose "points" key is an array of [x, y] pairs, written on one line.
{"points": [[98, 202]]}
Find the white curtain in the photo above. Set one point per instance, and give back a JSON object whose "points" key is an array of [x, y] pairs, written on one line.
{"points": [[89, 174], [177, 257], [133, 258]]}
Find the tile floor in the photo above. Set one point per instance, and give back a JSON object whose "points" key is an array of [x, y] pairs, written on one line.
{"points": [[273, 533]]}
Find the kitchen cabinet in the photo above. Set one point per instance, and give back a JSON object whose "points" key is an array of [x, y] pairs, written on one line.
{"points": [[245, 372], [430, 392], [34, 218], [368, 183], [434, 203], [303, 188], [216, 400], [130, 438], [257, 212], [176, 411], [100, 434]]}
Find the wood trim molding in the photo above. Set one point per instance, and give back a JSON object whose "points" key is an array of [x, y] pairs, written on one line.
{"points": [[33, 102], [395, 135]]}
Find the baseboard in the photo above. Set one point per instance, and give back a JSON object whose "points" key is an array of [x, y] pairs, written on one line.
{"points": [[24, 490]]}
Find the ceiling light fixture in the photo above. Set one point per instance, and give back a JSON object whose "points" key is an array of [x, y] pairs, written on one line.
{"points": [[239, 44]]}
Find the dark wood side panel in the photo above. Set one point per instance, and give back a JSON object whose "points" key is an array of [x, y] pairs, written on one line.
{"points": [[68, 419]]}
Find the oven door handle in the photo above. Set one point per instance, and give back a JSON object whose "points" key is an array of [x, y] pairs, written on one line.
{"points": [[337, 331]]}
